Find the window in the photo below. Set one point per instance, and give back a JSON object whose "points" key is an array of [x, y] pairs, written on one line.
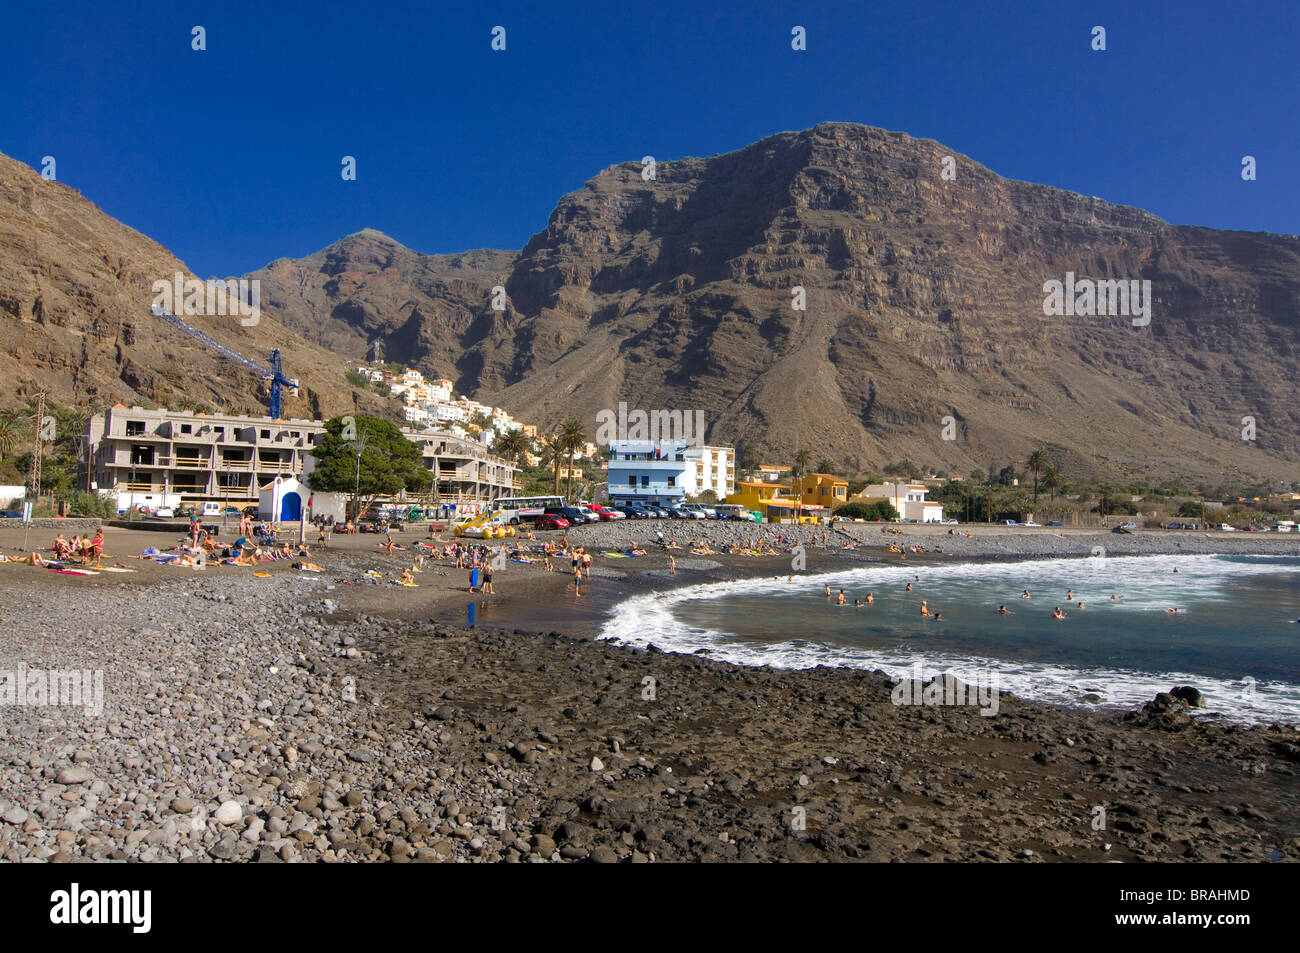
{"points": [[645, 480], [135, 428], [187, 428], [672, 481], [266, 434]]}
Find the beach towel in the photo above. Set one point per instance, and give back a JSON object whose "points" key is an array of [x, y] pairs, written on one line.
{"points": [[522, 559], [261, 575], [74, 572], [116, 569], [408, 585]]}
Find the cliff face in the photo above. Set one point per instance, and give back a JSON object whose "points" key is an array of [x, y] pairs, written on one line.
{"points": [[924, 301], [76, 288]]}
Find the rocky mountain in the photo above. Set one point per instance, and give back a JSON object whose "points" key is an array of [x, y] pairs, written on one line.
{"points": [[923, 335], [924, 300], [76, 288]]}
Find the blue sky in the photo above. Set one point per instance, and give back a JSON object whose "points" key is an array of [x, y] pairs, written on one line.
{"points": [[231, 157]]}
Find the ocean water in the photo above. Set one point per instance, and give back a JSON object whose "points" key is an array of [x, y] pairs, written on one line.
{"points": [[1235, 636]]}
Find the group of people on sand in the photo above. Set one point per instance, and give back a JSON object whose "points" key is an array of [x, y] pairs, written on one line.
{"points": [[78, 549]]}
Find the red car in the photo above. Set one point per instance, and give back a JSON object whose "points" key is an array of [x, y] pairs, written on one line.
{"points": [[552, 522], [603, 513]]}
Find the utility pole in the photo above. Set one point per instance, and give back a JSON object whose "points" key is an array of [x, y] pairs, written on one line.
{"points": [[37, 450], [225, 496]]}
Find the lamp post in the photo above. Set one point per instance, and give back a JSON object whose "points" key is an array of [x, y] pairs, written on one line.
{"points": [[225, 497], [360, 445]]}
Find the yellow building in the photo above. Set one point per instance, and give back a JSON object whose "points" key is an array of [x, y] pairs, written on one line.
{"points": [[821, 489], [757, 496]]}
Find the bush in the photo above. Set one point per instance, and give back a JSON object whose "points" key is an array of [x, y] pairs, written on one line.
{"points": [[868, 511], [84, 503]]}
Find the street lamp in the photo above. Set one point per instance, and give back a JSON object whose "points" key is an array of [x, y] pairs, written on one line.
{"points": [[225, 497], [360, 445]]}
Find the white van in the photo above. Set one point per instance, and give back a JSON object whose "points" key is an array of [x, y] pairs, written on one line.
{"points": [[211, 509]]}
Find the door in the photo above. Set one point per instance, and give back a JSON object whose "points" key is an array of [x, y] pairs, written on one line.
{"points": [[290, 508]]}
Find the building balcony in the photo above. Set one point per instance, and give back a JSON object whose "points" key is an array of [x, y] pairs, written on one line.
{"points": [[652, 489]]}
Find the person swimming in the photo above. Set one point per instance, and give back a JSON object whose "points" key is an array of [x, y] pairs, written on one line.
{"points": [[1069, 595], [840, 600], [924, 609], [1078, 605], [857, 603], [938, 616], [909, 588], [1025, 594], [1057, 613], [1003, 610], [828, 589], [1114, 598], [1172, 611], [871, 597]]}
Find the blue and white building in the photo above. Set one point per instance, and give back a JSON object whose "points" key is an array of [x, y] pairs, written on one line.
{"points": [[644, 471]]}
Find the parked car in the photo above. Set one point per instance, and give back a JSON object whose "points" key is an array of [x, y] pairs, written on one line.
{"points": [[1052, 523], [681, 512], [605, 513], [550, 521], [709, 512], [1227, 528], [656, 511], [1030, 523], [575, 516], [165, 512], [1008, 523], [631, 512]]}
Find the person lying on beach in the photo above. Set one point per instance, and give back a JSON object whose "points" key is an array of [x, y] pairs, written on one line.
{"points": [[34, 559], [407, 578]]}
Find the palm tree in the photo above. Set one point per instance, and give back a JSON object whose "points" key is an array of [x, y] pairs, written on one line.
{"points": [[1052, 480], [8, 437], [512, 445], [824, 465], [802, 461], [571, 438], [552, 457], [1037, 461]]}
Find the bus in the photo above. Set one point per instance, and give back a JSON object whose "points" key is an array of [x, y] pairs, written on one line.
{"points": [[520, 508]]}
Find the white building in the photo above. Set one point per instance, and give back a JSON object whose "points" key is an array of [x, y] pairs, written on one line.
{"points": [[710, 468], [908, 498]]}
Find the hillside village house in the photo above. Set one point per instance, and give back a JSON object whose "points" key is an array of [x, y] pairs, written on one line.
{"points": [[908, 498], [710, 469], [770, 473]]}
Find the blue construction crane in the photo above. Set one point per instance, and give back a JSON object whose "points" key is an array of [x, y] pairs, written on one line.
{"points": [[277, 380], [274, 377]]}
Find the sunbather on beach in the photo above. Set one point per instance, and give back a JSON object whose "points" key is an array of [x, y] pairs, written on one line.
{"points": [[34, 559]]}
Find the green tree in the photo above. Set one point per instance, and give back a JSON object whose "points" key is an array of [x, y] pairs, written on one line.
{"points": [[387, 463], [802, 461], [824, 465], [1037, 461], [572, 438], [868, 511], [1052, 481], [511, 445]]}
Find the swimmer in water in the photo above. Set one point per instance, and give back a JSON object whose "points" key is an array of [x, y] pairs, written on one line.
{"points": [[857, 602], [1025, 594], [1175, 569], [840, 600], [828, 589], [924, 610], [1114, 598], [1171, 610], [938, 616], [1003, 610], [871, 597], [909, 587], [1069, 595], [1078, 605], [1057, 613]]}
